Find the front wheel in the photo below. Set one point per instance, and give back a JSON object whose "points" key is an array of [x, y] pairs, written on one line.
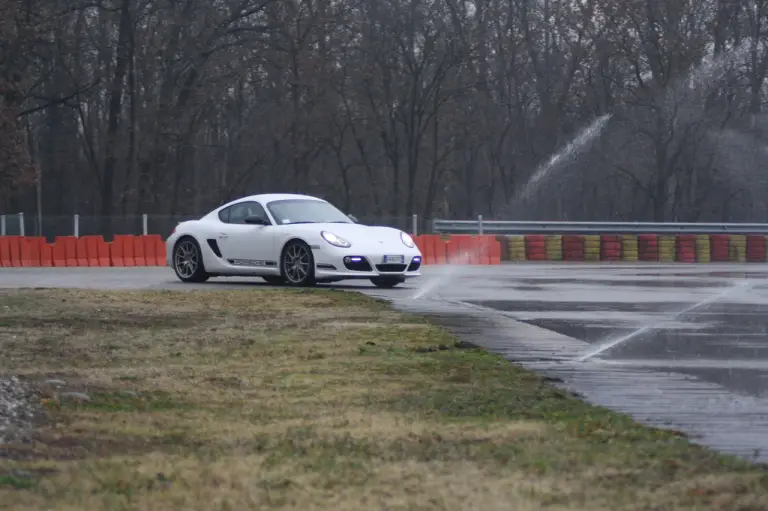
{"points": [[297, 264], [188, 261], [386, 282]]}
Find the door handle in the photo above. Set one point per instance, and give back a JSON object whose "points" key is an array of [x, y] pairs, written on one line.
{"points": [[222, 235]]}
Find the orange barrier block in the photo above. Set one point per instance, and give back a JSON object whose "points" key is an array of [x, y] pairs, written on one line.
{"points": [[59, 253], [460, 250], [104, 250], [468, 249], [29, 250], [428, 252], [69, 246], [81, 248], [139, 253], [46, 254], [495, 255], [490, 244], [150, 250], [484, 253], [475, 247], [94, 250], [452, 251], [125, 244], [116, 252], [15, 250], [439, 249], [420, 240], [5, 252], [159, 249], [24, 252]]}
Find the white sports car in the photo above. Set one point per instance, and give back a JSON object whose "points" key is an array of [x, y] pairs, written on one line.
{"points": [[294, 239]]}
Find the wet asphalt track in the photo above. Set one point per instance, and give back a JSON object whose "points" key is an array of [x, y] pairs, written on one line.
{"points": [[704, 372]]}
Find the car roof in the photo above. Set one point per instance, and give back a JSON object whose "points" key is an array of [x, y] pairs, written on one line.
{"points": [[264, 198]]}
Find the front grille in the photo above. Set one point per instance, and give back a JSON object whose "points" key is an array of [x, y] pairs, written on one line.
{"points": [[357, 263], [391, 268]]}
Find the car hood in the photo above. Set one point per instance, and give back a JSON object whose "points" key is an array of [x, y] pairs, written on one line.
{"points": [[359, 234]]}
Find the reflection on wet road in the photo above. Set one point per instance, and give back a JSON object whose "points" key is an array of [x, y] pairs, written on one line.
{"points": [[712, 342]]}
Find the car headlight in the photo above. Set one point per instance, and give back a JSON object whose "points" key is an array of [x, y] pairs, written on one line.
{"points": [[334, 240], [407, 240]]}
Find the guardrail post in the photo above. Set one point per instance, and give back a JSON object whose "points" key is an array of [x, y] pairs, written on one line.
{"points": [[415, 224], [21, 224], [480, 224], [76, 226], [3, 229]]}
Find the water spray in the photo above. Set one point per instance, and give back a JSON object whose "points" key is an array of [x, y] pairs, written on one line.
{"points": [[449, 270], [621, 340], [582, 139]]}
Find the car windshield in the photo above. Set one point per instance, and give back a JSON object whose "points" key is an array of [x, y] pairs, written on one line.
{"points": [[302, 211]]}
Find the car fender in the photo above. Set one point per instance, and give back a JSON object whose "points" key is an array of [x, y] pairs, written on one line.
{"points": [[196, 230]]}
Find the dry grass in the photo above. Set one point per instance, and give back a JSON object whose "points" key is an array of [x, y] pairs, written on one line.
{"points": [[316, 400]]}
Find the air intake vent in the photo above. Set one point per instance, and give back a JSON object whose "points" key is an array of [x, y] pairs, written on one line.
{"points": [[215, 247]]}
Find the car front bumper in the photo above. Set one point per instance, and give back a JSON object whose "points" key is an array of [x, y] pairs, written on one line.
{"points": [[365, 265]]}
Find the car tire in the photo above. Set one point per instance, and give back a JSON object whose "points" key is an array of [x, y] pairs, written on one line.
{"points": [[297, 264], [274, 281], [386, 282], [187, 260]]}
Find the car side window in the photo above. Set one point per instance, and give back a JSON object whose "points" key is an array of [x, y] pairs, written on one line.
{"points": [[237, 213]]}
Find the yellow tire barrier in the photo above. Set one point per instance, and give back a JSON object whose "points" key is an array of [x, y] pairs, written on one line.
{"points": [[629, 250], [737, 251], [703, 248], [553, 245], [516, 247], [667, 249], [592, 247]]}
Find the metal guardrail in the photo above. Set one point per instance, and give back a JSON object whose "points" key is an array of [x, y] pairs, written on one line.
{"points": [[481, 226]]}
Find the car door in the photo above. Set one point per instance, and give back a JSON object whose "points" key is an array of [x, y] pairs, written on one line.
{"points": [[246, 245]]}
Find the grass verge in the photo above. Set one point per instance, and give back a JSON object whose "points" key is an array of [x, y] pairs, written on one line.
{"points": [[316, 400]]}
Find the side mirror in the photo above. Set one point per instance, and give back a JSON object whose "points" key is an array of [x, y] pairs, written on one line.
{"points": [[354, 219], [255, 220]]}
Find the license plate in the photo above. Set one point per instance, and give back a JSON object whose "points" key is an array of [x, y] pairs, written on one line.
{"points": [[389, 259]]}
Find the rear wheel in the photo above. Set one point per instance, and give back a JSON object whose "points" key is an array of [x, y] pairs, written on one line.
{"points": [[297, 264], [274, 281], [188, 261], [387, 282]]}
